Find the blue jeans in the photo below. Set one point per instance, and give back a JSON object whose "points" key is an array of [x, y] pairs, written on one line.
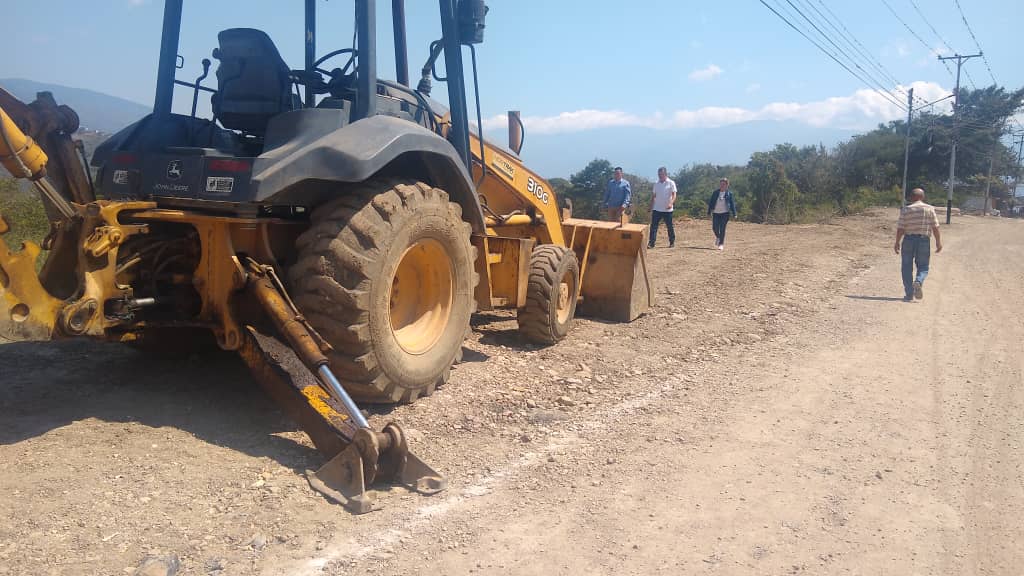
{"points": [[915, 249]]}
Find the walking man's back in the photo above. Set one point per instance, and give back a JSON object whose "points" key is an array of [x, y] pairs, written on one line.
{"points": [[917, 223]]}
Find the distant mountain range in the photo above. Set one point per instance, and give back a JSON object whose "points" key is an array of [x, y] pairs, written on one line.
{"points": [[96, 110], [639, 150], [642, 150]]}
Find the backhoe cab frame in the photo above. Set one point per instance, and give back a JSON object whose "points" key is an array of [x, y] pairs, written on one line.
{"points": [[462, 23]]}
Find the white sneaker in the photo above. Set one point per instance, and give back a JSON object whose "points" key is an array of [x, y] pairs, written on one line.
{"points": [[721, 246]]}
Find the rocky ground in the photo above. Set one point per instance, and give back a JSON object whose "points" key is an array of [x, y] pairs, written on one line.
{"points": [[778, 411]]}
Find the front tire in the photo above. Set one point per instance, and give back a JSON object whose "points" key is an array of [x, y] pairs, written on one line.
{"points": [[386, 275], [550, 295]]}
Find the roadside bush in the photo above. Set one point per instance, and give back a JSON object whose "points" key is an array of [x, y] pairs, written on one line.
{"points": [[24, 213]]}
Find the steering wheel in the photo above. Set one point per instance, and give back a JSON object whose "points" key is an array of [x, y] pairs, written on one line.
{"points": [[332, 54]]}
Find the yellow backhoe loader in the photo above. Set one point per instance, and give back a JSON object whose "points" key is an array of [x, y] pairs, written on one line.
{"points": [[335, 229]]}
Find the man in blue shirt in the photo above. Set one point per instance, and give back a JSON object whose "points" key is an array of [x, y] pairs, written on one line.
{"points": [[617, 195]]}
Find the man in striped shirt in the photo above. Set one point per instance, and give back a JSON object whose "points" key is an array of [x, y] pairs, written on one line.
{"points": [[917, 224]]}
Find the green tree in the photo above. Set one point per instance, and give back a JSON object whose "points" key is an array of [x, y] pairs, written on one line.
{"points": [[774, 194], [790, 183], [696, 182], [587, 188], [642, 189]]}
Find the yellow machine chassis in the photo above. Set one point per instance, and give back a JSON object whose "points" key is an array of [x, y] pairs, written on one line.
{"points": [[523, 212], [235, 279]]}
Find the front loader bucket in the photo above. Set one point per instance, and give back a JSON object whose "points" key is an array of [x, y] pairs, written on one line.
{"points": [[614, 282]]}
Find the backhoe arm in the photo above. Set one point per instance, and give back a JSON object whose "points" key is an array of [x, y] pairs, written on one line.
{"points": [[27, 310], [50, 128]]}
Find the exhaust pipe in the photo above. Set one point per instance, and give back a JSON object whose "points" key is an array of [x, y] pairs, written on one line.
{"points": [[516, 131]]}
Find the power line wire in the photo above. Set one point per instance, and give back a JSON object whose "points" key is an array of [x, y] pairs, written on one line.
{"points": [[883, 93], [967, 123], [840, 50], [976, 43], [927, 47], [929, 24], [970, 78], [886, 95], [933, 102], [851, 40], [939, 36]]}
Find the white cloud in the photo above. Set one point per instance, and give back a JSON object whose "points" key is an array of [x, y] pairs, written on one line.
{"points": [[861, 110], [578, 121], [708, 73], [751, 88], [933, 54], [897, 47]]}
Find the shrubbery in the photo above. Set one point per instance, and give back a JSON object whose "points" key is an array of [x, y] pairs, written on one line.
{"points": [[23, 212]]}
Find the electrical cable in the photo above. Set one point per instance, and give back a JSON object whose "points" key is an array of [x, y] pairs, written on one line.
{"points": [[976, 43], [840, 50], [852, 40], [916, 35], [941, 39], [886, 95]]}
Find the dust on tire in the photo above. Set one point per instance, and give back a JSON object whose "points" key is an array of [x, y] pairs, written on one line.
{"points": [[540, 321], [342, 278]]}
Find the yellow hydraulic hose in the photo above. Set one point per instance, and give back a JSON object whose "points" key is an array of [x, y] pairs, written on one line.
{"points": [[19, 154]]}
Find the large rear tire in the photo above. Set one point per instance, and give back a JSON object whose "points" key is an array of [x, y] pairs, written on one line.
{"points": [[386, 275], [550, 295]]}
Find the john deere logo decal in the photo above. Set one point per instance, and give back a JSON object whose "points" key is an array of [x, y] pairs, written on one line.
{"points": [[174, 170]]}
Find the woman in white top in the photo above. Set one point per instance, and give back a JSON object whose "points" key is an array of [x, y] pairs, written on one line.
{"points": [[720, 206]]}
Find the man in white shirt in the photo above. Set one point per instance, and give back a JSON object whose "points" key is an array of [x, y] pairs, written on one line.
{"points": [[663, 200]]}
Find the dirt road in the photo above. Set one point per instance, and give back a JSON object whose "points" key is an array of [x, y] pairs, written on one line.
{"points": [[779, 412]]}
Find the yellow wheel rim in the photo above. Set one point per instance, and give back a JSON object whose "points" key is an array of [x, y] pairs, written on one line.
{"points": [[421, 296], [565, 292]]}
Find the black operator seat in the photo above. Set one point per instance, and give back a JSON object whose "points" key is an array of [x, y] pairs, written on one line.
{"points": [[253, 81]]}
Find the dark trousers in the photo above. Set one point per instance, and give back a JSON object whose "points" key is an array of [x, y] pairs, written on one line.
{"points": [[718, 224], [656, 218]]}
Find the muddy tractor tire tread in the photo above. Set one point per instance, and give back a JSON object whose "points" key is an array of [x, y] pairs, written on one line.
{"points": [[539, 320], [341, 280]]}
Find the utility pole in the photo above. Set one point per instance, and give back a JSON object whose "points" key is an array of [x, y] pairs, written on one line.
{"points": [[991, 164], [906, 146], [956, 132], [1016, 173]]}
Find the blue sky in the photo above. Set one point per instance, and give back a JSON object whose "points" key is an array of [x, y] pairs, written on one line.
{"points": [[579, 71]]}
